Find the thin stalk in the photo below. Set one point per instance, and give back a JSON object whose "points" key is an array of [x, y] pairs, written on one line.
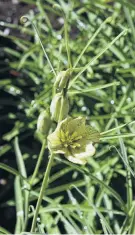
{"points": [[132, 225], [127, 224], [19, 206], [116, 128], [66, 42], [35, 174], [4, 231], [11, 170], [117, 136], [118, 108], [38, 162], [130, 21], [22, 170], [64, 15], [128, 177], [129, 189], [42, 192], [91, 40], [24, 19], [19, 158], [59, 56]]}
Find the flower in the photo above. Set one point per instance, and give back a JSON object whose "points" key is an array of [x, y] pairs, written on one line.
{"points": [[59, 106], [62, 79], [44, 122], [74, 139]]}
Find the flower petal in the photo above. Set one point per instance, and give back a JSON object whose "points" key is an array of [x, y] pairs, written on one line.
{"points": [[89, 152], [75, 160], [76, 125], [91, 134], [80, 157], [54, 141]]}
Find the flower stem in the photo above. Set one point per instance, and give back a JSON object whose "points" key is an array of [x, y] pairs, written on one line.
{"points": [[118, 136], [67, 41], [34, 176], [38, 162], [42, 190]]}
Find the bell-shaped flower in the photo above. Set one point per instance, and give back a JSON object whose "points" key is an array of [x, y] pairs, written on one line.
{"points": [[74, 139], [59, 106]]}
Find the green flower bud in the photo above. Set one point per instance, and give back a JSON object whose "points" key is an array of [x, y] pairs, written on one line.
{"points": [[62, 79], [59, 106], [57, 7], [44, 123]]}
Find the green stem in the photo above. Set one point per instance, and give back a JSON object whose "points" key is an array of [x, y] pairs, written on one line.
{"points": [[32, 180], [34, 176], [4, 231], [24, 19], [22, 170], [66, 42], [117, 136], [91, 40], [116, 128], [38, 162], [19, 206], [42, 191]]}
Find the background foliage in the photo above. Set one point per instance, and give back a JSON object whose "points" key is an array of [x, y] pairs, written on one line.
{"points": [[98, 198]]}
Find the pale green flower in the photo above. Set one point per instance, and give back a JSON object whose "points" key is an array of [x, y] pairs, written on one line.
{"points": [[56, 110], [62, 79], [74, 139], [44, 122]]}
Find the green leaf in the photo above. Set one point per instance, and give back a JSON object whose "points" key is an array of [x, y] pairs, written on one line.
{"points": [[94, 88], [4, 231], [11, 170]]}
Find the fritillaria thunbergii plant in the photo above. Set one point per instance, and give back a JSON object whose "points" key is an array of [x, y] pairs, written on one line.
{"points": [[72, 137]]}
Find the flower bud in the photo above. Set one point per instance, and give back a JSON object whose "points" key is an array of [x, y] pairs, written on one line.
{"points": [[57, 7], [62, 79], [59, 107], [44, 122]]}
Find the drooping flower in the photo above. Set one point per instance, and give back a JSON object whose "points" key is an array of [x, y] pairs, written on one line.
{"points": [[44, 122], [74, 139], [62, 79], [59, 106]]}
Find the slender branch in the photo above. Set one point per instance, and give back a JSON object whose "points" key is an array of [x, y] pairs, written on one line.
{"points": [[38, 162], [33, 178], [23, 20], [22, 170], [117, 136], [66, 42], [42, 191]]}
